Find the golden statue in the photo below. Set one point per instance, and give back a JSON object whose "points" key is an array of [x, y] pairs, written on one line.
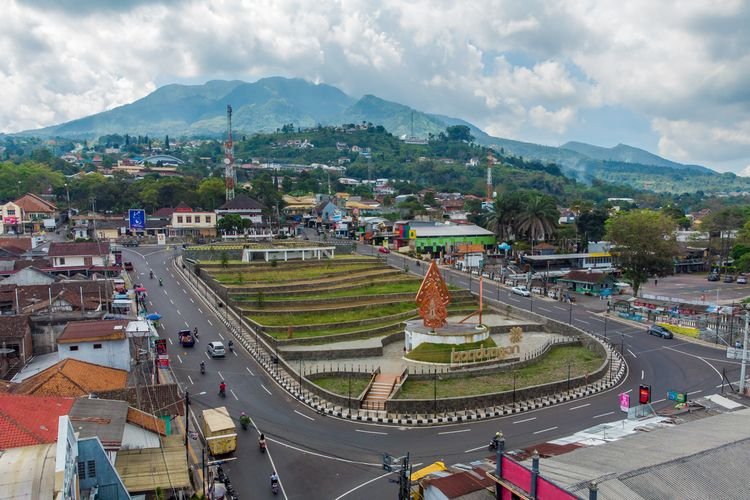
{"points": [[433, 298]]}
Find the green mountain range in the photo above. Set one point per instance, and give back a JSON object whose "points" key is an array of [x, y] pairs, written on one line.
{"points": [[271, 103]]}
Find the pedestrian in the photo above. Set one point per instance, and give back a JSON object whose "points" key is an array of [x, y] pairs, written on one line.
{"points": [[656, 282]]}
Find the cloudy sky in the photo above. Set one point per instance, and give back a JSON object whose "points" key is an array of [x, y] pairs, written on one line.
{"points": [[670, 77]]}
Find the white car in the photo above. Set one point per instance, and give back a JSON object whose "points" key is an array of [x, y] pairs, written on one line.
{"points": [[216, 349], [521, 290]]}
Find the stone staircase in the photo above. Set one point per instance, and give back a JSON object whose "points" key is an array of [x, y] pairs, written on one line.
{"points": [[381, 388]]}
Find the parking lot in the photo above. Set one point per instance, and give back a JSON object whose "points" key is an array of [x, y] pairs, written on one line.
{"points": [[696, 287]]}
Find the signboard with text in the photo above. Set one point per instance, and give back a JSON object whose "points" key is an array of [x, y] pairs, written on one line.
{"points": [[137, 219], [624, 401], [680, 397]]}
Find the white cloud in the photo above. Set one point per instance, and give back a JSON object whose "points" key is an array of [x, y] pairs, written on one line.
{"points": [[530, 68]]}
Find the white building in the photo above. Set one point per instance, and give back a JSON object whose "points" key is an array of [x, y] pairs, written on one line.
{"points": [[81, 256], [102, 342]]}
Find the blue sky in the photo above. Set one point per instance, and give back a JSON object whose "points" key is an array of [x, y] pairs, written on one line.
{"points": [[669, 77]]}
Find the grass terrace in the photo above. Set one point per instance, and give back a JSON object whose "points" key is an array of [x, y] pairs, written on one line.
{"points": [[441, 353], [341, 385], [278, 274], [325, 317]]}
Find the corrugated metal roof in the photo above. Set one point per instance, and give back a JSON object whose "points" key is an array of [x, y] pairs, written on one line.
{"points": [[28, 472], [103, 418], [445, 230]]}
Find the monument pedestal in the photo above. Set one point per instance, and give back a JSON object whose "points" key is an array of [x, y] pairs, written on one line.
{"points": [[415, 333]]}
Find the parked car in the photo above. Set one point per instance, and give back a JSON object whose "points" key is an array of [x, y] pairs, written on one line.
{"points": [[216, 349], [131, 243], [728, 278], [521, 290], [741, 280], [659, 331], [128, 266], [384, 250], [713, 277]]}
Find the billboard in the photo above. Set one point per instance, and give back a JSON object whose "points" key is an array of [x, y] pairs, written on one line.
{"points": [[137, 218]]}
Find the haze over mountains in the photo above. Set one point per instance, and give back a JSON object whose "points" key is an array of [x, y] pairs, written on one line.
{"points": [[270, 103]]}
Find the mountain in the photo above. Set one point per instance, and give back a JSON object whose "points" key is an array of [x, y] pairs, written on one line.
{"points": [[270, 103]]}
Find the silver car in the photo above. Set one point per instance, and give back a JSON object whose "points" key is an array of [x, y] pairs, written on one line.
{"points": [[216, 349]]}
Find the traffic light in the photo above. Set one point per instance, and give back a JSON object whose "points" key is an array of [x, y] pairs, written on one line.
{"points": [[644, 394]]}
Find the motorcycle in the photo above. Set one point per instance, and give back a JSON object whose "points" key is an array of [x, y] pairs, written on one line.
{"points": [[203, 368], [223, 392], [231, 346], [492, 446], [274, 487], [151, 274], [160, 282], [262, 445]]}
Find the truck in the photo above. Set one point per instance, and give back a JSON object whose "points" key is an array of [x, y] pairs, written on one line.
{"points": [[219, 431], [186, 338]]}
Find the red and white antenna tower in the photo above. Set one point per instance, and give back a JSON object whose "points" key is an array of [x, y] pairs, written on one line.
{"points": [[229, 175]]}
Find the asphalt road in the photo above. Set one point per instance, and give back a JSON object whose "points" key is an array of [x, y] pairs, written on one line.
{"points": [[320, 457]]}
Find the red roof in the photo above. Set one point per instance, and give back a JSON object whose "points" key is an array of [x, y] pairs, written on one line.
{"points": [[30, 420], [31, 203], [22, 243], [461, 483], [57, 249], [165, 212], [88, 331], [183, 207]]}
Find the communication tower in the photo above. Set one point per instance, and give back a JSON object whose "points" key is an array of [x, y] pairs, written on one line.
{"points": [[229, 173], [490, 164]]}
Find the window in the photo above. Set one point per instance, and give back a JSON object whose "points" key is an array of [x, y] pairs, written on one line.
{"points": [[179, 219], [11, 212], [91, 468], [197, 219], [97, 346], [208, 219], [81, 470], [62, 261], [74, 348], [189, 219]]}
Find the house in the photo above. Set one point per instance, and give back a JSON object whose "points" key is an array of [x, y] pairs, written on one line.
{"points": [[15, 336], [108, 230], [72, 378], [30, 420], [589, 283], [325, 212], [245, 207], [54, 298], [185, 222], [28, 276], [86, 257], [34, 210], [104, 343], [10, 219]]}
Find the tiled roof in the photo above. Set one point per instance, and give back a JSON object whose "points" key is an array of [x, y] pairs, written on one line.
{"points": [[31, 203], [183, 207], [14, 326], [30, 420], [74, 378], [88, 331], [28, 295], [585, 277], [147, 421], [241, 202], [57, 249], [462, 483], [165, 212], [22, 243]]}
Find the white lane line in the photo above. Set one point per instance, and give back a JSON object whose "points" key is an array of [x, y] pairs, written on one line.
{"points": [[371, 432], [150, 304], [642, 374], [265, 389], [235, 353], [200, 310], [582, 321], [303, 415], [596, 318], [235, 395], [250, 371], [163, 327], [191, 300], [183, 291], [579, 407], [603, 414], [524, 420], [628, 391], [695, 392], [543, 309], [191, 380], [632, 353], [170, 341], [178, 357], [178, 312], [165, 292], [220, 375], [171, 301], [475, 449], [546, 430], [186, 324], [561, 308], [658, 401], [209, 321], [453, 432], [177, 281], [209, 357], [694, 356], [220, 335], [363, 485]]}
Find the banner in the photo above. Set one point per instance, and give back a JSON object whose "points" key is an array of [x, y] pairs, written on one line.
{"points": [[624, 401], [137, 219]]}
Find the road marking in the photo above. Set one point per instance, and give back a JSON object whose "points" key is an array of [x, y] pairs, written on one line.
{"points": [[235, 353], [604, 414], [171, 301], [543, 309], [209, 357], [524, 420], [643, 374], [163, 327], [582, 321], [235, 395], [178, 357], [561, 308], [702, 359], [191, 300], [177, 281], [628, 391], [178, 312], [695, 392], [209, 321], [265, 389], [632, 353], [170, 341], [579, 407], [220, 375], [165, 292], [200, 310], [546, 430], [363, 485], [475, 449], [186, 324], [220, 335], [191, 380], [149, 303], [659, 401], [183, 291], [371, 432], [453, 432], [249, 370], [303, 415]]}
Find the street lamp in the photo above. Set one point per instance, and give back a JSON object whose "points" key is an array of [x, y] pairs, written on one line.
{"points": [[67, 193], [570, 312], [744, 356]]}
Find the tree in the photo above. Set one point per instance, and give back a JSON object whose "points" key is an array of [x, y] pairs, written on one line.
{"points": [[643, 244], [538, 217], [232, 223], [503, 219], [590, 225], [212, 192]]}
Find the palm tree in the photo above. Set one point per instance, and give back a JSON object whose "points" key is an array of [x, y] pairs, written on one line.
{"points": [[538, 217], [503, 219]]}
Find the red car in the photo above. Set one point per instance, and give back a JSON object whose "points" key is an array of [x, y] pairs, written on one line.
{"points": [[384, 250]]}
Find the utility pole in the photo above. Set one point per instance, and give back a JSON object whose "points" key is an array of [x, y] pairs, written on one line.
{"points": [[744, 357]]}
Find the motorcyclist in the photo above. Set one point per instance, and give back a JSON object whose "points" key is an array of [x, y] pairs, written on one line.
{"points": [[274, 479], [203, 367], [160, 282], [262, 441], [244, 420], [222, 388], [231, 345], [496, 439], [151, 274], [195, 332]]}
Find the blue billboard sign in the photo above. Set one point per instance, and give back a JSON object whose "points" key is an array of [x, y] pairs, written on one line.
{"points": [[137, 218]]}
